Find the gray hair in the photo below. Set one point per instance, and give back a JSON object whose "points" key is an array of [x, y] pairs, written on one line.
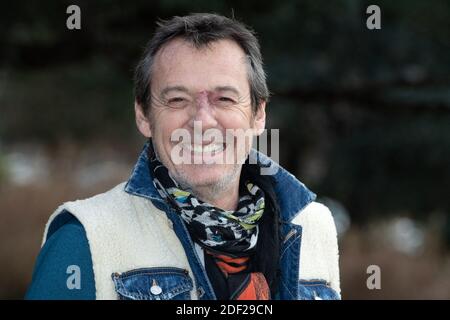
{"points": [[200, 29]]}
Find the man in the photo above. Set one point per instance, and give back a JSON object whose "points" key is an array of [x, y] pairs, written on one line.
{"points": [[186, 225]]}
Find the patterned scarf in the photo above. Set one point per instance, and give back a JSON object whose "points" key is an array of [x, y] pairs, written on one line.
{"points": [[229, 237]]}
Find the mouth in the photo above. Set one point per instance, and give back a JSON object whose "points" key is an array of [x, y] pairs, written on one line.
{"points": [[208, 149], [213, 153]]}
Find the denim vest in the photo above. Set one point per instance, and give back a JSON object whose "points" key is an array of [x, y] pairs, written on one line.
{"points": [[292, 196]]}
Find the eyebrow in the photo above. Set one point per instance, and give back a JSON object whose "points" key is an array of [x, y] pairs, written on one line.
{"points": [[166, 90], [227, 88]]}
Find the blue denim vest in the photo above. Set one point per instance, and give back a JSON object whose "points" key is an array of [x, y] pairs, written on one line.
{"points": [[292, 196]]}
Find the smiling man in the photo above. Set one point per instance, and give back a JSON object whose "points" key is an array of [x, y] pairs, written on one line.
{"points": [[206, 83], [199, 228]]}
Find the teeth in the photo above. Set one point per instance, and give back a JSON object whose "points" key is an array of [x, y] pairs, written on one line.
{"points": [[196, 148]]}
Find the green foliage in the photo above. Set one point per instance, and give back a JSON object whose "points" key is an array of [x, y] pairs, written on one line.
{"points": [[374, 105], [393, 164], [3, 173]]}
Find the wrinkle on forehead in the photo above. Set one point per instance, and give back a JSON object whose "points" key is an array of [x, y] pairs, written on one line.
{"points": [[202, 70], [171, 50]]}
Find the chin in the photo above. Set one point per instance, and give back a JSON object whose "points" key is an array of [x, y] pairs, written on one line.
{"points": [[205, 175]]}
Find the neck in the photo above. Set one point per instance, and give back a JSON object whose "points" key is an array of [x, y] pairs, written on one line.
{"points": [[225, 198]]}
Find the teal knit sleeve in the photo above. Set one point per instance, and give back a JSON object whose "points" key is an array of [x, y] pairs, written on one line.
{"points": [[63, 269]]}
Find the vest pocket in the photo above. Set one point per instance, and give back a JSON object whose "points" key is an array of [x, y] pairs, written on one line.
{"points": [[159, 283], [316, 290]]}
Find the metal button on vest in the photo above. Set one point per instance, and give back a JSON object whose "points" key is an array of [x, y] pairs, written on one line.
{"points": [[200, 292], [155, 289]]}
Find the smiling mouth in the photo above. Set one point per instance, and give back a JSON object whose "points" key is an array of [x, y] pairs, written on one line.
{"points": [[212, 148]]}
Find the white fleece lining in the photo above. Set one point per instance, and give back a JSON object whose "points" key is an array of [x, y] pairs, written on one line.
{"points": [[127, 232], [319, 256]]}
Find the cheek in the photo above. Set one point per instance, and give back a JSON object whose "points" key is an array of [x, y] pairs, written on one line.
{"points": [[236, 119], [166, 122]]}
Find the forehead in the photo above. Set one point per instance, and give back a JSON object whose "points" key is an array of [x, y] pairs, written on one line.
{"points": [[219, 63]]}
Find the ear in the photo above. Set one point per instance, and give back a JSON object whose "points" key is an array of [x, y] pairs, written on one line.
{"points": [[260, 119], [142, 122]]}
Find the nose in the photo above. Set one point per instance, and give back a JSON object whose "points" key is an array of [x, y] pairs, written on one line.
{"points": [[203, 111]]}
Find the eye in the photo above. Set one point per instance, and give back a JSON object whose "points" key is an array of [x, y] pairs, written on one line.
{"points": [[177, 99], [226, 99], [177, 102], [225, 102]]}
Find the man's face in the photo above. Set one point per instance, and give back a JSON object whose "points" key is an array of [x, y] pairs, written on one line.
{"points": [[207, 86]]}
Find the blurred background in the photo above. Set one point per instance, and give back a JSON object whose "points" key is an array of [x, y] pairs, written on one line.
{"points": [[364, 119]]}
